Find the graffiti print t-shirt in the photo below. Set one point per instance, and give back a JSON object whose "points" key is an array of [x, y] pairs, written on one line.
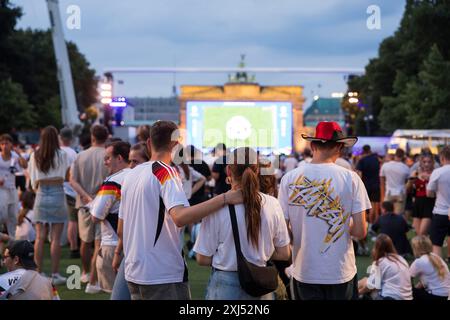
{"points": [[319, 201]]}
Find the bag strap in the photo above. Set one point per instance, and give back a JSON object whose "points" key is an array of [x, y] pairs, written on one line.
{"points": [[234, 226]]}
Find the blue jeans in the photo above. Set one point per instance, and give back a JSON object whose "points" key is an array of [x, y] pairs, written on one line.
{"points": [[224, 285], [120, 289]]}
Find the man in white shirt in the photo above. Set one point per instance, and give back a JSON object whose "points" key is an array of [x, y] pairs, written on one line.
{"points": [[153, 210], [105, 209], [307, 157], [290, 163], [439, 187], [10, 163], [325, 205], [393, 177]]}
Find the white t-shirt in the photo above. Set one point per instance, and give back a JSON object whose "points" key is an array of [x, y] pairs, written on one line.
{"points": [[5, 171], [71, 156], [59, 171], [26, 230], [440, 183], [304, 161], [395, 279], [396, 173], [429, 277], [9, 278], [105, 206], [319, 201], [194, 176], [290, 164], [343, 163], [216, 235], [151, 239]]}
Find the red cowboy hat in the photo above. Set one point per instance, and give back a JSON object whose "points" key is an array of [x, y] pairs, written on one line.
{"points": [[331, 131]]}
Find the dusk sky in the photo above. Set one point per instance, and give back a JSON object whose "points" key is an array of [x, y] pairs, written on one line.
{"points": [[211, 33]]}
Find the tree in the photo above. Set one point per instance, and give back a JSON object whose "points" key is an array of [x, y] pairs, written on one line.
{"points": [[396, 69], [424, 101], [8, 19], [27, 58], [16, 111], [33, 65]]}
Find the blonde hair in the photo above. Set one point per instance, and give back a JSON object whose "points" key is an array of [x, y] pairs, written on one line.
{"points": [[421, 245]]}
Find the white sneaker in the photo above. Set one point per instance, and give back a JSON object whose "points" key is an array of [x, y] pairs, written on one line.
{"points": [[85, 277], [58, 279], [93, 288]]}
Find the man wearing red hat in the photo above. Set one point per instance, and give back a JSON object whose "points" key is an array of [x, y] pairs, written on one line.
{"points": [[325, 205]]}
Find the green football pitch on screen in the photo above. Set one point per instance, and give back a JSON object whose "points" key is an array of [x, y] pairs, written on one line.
{"points": [[239, 126]]}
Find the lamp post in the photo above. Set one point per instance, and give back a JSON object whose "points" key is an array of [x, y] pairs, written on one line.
{"points": [[352, 102]]}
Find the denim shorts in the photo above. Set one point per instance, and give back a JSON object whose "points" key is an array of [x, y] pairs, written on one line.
{"points": [[224, 285], [50, 205]]}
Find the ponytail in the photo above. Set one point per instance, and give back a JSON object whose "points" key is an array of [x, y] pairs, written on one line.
{"points": [[422, 245], [438, 265], [252, 203]]}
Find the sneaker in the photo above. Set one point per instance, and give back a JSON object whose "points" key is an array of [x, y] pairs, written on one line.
{"points": [[58, 279], [85, 277], [93, 288], [43, 274]]}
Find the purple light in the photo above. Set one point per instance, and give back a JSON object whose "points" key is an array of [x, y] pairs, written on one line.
{"points": [[118, 102]]}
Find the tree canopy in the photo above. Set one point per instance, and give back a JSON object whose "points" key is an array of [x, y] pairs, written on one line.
{"points": [[407, 85], [27, 64]]}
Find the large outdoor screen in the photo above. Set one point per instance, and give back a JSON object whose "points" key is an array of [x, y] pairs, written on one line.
{"points": [[266, 126]]}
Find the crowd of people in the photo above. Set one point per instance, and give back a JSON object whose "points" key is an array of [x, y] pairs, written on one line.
{"points": [[128, 212]]}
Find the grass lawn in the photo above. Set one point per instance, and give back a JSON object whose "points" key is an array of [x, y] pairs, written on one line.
{"points": [[198, 276]]}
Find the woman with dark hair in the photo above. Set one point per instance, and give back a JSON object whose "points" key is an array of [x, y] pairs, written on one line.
{"points": [[25, 220], [423, 205], [267, 178], [268, 185], [192, 181], [138, 154], [48, 169], [389, 273], [264, 236]]}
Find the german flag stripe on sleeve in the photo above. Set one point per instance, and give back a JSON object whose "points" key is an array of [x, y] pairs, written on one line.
{"points": [[110, 188], [162, 172], [173, 170]]}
